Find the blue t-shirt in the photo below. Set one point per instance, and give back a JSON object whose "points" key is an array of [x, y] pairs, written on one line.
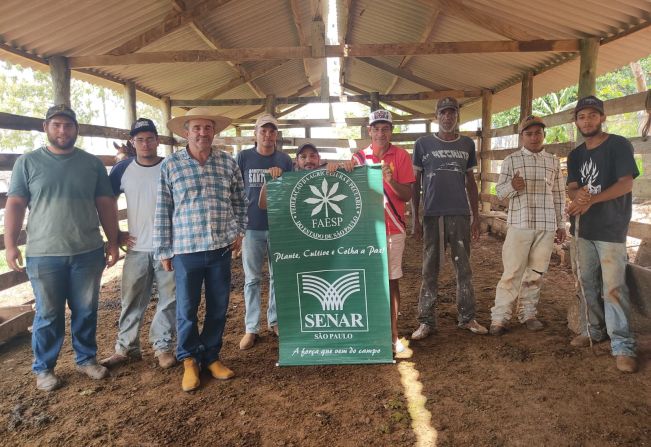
{"points": [[254, 167]]}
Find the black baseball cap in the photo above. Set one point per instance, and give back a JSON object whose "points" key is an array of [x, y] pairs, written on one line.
{"points": [[61, 109], [143, 125], [589, 102], [304, 146]]}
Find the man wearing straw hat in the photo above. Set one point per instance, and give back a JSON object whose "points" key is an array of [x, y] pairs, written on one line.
{"points": [[200, 219]]}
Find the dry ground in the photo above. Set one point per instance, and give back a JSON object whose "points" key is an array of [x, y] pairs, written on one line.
{"points": [[456, 388]]}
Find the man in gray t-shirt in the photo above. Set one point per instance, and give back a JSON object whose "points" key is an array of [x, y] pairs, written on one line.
{"points": [[444, 163], [68, 194]]}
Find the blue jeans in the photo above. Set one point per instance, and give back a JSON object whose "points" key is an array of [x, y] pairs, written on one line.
{"points": [[55, 280], [603, 276], [254, 248], [192, 270], [138, 274]]}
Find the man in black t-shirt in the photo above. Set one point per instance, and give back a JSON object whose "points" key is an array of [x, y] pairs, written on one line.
{"points": [[600, 180]]}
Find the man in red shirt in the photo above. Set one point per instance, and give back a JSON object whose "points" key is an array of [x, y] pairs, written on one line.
{"points": [[398, 175]]}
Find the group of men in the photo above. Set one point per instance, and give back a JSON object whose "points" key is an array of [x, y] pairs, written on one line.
{"points": [[191, 211]]}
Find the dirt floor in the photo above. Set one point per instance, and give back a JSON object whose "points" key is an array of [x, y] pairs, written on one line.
{"points": [[452, 389]]}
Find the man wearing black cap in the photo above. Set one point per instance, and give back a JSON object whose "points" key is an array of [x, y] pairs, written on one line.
{"points": [[532, 180], [138, 179], [68, 195], [600, 180], [444, 165]]}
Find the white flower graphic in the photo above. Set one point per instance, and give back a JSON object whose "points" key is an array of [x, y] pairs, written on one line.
{"points": [[325, 198]]}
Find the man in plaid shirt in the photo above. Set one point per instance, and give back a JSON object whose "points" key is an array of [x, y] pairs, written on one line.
{"points": [[532, 179], [200, 219]]}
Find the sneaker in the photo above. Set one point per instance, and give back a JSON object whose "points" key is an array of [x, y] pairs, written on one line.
{"points": [[474, 327], [166, 359], [580, 341], [626, 363], [248, 341], [398, 347], [114, 360], [220, 371], [47, 381], [497, 329], [93, 370], [533, 324], [190, 380], [423, 331]]}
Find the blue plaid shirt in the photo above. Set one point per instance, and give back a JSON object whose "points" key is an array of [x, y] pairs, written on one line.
{"points": [[198, 208]]}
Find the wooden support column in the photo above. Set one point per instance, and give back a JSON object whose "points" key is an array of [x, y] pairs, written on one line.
{"points": [[270, 104], [375, 101], [308, 132], [526, 98], [167, 115], [588, 70], [485, 167], [428, 126], [60, 74], [130, 103], [237, 148]]}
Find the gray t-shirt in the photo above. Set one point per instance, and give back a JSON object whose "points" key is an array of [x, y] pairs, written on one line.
{"points": [[60, 192], [443, 165]]}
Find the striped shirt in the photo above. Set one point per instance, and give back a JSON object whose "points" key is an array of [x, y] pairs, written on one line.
{"points": [[540, 205], [198, 208]]}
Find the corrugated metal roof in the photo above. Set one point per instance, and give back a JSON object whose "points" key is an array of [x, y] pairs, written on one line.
{"points": [[94, 27]]}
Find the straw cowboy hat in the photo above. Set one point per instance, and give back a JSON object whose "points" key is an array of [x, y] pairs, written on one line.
{"points": [[176, 124]]}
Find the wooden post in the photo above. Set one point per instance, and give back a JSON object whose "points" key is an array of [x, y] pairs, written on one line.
{"points": [[308, 132], [588, 70], [237, 147], [130, 103], [167, 115], [428, 126], [485, 166], [60, 74], [270, 104], [375, 101], [526, 98]]}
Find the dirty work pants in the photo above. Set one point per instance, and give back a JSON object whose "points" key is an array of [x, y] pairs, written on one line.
{"points": [[525, 256], [456, 235], [602, 268]]}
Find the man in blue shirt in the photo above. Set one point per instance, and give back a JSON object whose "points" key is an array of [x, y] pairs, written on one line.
{"points": [[254, 163], [200, 219]]}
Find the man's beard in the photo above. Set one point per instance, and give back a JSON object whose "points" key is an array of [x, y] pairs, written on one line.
{"points": [[597, 131], [54, 143]]}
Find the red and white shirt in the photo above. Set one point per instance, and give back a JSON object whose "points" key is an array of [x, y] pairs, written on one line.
{"points": [[401, 167]]}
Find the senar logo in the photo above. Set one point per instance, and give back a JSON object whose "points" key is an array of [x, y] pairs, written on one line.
{"points": [[325, 207], [333, 301]]}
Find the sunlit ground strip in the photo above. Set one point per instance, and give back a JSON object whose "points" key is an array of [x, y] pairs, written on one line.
{"points": [[421, 418]]}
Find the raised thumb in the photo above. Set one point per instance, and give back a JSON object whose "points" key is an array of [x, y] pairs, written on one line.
{"points": [[517, 174]]}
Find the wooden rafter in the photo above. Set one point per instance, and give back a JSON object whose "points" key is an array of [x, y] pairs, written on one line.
{"points": [[425, 37], [395, 105], [175, 21], [347, 8], [401, 73], [241, 80], [358, 50], [484, 20], [301, 34], [215, 45]]}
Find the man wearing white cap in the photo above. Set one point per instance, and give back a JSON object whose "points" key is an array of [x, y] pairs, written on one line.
{"points": [[397, 175], [254, 163], [200, 219]]}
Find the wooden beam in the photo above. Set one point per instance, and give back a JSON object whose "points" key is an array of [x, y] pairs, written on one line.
{"points": [[393, 104], [345, 28], [526, 98], [241, 80], [257, 111], [486, 120], [426, 36], [352, 50], [60, 74], [588, 67], [130, 104], [172, 23], [166, 105], [405, 74], [485, 20], [302, 40]]}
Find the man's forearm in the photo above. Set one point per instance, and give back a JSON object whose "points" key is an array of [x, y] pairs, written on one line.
{"points": [[14, 217], [107, 210]]}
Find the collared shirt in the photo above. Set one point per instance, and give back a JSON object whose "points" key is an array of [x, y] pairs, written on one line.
{"points": [[198, 208], [540, 205]]}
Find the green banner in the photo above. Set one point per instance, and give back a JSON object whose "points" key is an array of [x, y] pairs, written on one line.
{"points": [[329, 260]]}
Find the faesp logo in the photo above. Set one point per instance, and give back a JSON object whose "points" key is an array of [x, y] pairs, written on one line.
{"points": [[333, 301], [325, 206]]}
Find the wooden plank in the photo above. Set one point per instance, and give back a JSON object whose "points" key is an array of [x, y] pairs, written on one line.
{"points": [[305, 52], [485, 149], [9, 312], [17, 325], [639, 230], [405, 74], [638, 279], [494, 201], [588, 67], [12, 278], [22, 238]]}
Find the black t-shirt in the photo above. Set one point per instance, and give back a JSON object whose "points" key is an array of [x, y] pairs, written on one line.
{"points": [[599, 169]]}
